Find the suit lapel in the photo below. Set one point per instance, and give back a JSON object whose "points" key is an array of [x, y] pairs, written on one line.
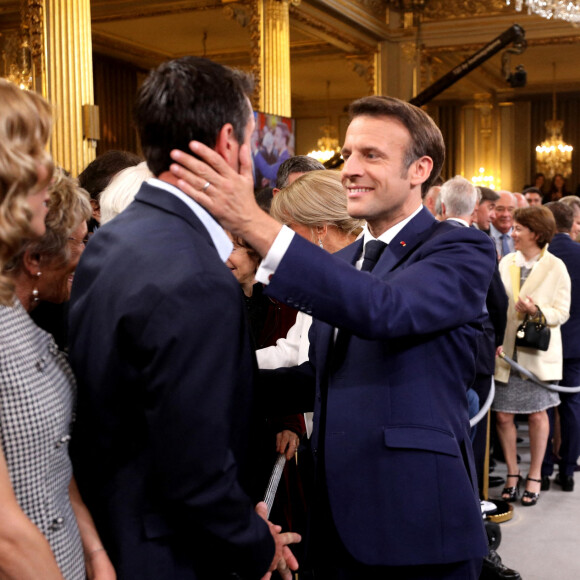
{"points": [[400, 249], [404, 244]]}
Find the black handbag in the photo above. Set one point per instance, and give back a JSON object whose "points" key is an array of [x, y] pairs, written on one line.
{"points": [[533, 332]]}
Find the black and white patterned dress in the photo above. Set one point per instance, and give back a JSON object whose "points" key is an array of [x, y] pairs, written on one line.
{"points": [[37, 395]]}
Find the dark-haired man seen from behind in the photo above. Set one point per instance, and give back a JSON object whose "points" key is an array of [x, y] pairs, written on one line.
{"points": [[162, 354], [568, 250], [395, 485]]}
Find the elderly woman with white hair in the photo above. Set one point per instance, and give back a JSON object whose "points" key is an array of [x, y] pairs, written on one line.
{"points": [[122, 190]]}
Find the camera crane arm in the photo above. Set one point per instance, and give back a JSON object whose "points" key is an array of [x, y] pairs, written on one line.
{"points": [[515, 34]]}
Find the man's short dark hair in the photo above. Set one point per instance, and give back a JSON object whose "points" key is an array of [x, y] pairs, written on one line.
{"points": [[426, 138], [563, 214], [98, 173], [532, 190], [264, 198], [296, 164], [488, 194], [190, 98]]}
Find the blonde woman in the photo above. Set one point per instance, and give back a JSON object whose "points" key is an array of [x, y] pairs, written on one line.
{"points": [[314, 206], [39, 531]]}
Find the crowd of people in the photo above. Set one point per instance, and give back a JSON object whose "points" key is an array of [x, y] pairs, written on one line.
{"points": [[163, 340]]}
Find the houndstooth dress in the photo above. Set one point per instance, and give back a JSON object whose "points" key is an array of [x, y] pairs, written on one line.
{"points": [[37, 394]]}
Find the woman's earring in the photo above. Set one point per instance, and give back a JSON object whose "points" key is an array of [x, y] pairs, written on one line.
{"points": [[35, 289], [320, 243]]}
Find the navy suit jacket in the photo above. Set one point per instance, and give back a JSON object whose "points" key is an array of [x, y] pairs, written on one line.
{"points": [[390, 409], [563, 247], [162, 354]]}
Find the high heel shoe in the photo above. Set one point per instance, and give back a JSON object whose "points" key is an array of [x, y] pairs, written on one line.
{"points": [[530, 495], [511, 493]]}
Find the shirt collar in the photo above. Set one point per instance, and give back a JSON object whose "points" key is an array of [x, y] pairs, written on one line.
{"points": [[495, 233], [391, 233], [459, 220], [217, 234]]}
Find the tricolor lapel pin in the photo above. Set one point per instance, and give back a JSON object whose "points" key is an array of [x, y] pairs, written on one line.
{"points": [[403, 243]]}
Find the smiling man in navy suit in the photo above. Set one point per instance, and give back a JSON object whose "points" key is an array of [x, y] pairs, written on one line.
{"points": [[392, 351]]}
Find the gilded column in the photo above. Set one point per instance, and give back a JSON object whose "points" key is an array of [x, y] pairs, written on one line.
{"points": [[271, 56], [68, 79]]}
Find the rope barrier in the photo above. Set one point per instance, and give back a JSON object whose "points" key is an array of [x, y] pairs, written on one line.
{"points": [[483, 411], [535, 379], [274, 481]]}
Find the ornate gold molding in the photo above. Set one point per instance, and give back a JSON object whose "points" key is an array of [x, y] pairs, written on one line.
{"points": [[33, 15], [378, 8], [239, 13], [438, 9], [471, 48], [256, 52], [409, 52], [365, 67], [452, 9], [101, 11], [299, 16]]}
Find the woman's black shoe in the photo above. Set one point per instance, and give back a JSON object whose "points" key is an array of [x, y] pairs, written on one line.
{"points": [[531, 497], [511, 493]]}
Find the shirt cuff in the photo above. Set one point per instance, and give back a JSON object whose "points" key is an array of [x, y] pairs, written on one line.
{"points": [[274, 256]]}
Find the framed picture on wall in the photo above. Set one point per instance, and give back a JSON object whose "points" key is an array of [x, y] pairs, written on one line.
{"points": [[273, 142]]}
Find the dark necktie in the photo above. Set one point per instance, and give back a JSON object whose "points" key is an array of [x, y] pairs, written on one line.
{"points": [[505, 247], [373, 251]]}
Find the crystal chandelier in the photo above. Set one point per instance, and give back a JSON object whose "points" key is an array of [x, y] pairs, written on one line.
{"points": [[554, 155], [482, 179], [327, 145], [568, 10]]}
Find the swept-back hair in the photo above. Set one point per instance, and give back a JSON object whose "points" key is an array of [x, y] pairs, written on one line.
{"points": [[315, 199], [426, 138]]}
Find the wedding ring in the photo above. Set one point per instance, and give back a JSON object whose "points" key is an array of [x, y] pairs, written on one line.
{"points": [[204, 188]]}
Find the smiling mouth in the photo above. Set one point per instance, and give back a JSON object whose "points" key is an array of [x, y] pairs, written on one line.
{"points": [[354, 191]]}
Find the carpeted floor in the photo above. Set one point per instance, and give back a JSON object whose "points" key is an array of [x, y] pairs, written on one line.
{"points": [[542, 542]]}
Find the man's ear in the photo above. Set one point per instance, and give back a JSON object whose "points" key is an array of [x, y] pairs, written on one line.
{"points": [[227, 145], [421, 170], [96, 210], [31, 263]]}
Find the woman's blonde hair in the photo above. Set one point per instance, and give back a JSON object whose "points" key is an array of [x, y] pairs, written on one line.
{"points": [[68, 207], [25, 123], [315, 199]]}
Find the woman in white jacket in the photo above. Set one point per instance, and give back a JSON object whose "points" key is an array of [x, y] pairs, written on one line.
{"points": [[536, 283]]}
